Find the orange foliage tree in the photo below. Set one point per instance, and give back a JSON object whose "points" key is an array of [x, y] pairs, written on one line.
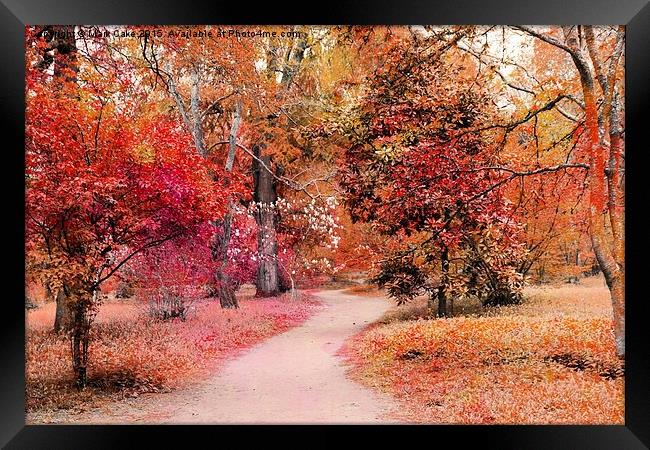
{"points": [[597, 54]]}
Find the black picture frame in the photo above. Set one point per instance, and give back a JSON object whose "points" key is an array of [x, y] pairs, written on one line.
{"points": [[15, 14]]}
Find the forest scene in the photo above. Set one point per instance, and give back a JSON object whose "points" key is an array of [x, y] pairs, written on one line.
{"points": [[325, 224]]}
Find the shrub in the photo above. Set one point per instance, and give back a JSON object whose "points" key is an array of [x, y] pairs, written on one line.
{"points": [[124, 290], [168, 306]]}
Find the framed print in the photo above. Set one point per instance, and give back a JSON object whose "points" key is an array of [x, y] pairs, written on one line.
{"points": [[381, 215]]}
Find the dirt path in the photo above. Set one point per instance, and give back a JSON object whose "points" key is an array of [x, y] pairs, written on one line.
{"points": [[294, 377]]}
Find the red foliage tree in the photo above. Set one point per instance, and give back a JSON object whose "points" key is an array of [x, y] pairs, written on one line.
{"points": [[414, 171], [106, 179]]}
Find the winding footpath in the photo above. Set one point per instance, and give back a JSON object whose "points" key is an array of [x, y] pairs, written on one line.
{"points": [[292, 378]]}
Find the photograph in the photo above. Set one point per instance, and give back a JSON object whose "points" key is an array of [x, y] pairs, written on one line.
{"points": [[325, 224]]}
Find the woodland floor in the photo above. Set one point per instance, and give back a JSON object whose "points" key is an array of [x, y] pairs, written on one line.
{"points": [[132, 355], [358, 358], [293, 377], [549, 360]]}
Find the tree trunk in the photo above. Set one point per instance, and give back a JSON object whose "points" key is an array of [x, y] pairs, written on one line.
{"points": [[616, 206], [79, 342], [197, 122], [444, 263], [80, 336], [294, 57], [265, 195], [65, 68], [225, 290], [442, 294], [71, 308], [431, 303], [63, 315], [194, 121], [65, 61], [294, 293], [616, 286], [604, 198], [596, 178]]}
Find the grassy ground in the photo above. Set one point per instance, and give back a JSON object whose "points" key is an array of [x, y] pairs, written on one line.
{"points": [[364, 290], [130, 353], [549, 360]]}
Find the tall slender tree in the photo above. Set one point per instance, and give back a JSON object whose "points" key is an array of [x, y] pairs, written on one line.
{"points": [[598, 63]]}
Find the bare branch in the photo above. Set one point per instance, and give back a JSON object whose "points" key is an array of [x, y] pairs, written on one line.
{"points": [[132, 254], [232, 138], [513, 86], [611, 71], [217, 102], [546, 38], [512, 125], [595, 59], [523, 173]]}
